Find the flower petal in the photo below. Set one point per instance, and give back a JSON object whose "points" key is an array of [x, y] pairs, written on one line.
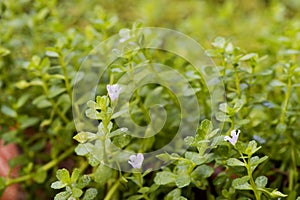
{"points": [[227, 138]]}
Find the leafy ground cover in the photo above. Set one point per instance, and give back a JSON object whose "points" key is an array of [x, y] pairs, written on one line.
{"points": [[246, 148]]}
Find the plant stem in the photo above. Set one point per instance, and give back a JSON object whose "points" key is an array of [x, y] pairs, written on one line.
{"points": [[45, 167], [252, 183], [66, 79], [237, 82], [59, 159], [112, 190], [46, 90], [282, 120], [286, 100]]}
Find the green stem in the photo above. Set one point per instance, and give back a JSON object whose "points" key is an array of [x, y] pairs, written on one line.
{"points": [[293, 172], [59, 159], [237, 82], [46, 167], [251, 82], [146, 197], [286, 100], [140, 179], [18, 179], [224, 64], [66, 79], [252, 183], [46, 90], [112, 191]]}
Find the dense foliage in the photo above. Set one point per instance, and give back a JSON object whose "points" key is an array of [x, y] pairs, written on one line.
{"points": [[256, 48]]}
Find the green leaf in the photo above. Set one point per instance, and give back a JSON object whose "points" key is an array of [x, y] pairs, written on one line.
{"points": [[183, 167], [45, 122], [41, 102], [255, 161], [37, 82], [183, 180], [22, 84], [224, 107], [76, 192], [102, 102], [202, 172], [63, 175], [75, 175], [92, 104], [219, 43], [22, 100], [229, 48], [240, 146], [213, 53], [83, 181], [275, 194], [93, 159], [56, 76], [234, 162], [51, 54], [40, 176], [280, 128], [55, 91], [189, 140], [119, 113], [251, 148], [135, 197], [143, 190], [174, 195], [84, 149], [241, 183], [8, 111], [90, 194], [62, 195], [194, 157], [83, 137], [102, 174], [238, 105], [164, 157], [122, 140], [163, 178], [147, 172], [277, 83], [26, 121], [153, 188], [206, 125], [58, 185], [91, 113], [222, 117], [117, 132], [248, 56], [4, 52], [261, 181]]}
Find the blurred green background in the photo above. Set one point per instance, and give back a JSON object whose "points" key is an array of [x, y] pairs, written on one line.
{"points": [[28, 28]]}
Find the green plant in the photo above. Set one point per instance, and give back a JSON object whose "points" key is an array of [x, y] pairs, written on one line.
{"points": [[44, 43]]}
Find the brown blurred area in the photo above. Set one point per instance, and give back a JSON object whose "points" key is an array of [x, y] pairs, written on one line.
{"points": [[8, 152]]}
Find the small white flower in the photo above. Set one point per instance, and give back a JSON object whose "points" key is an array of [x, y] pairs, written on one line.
{"points": [[113, 91], [136, 161], [234, 137]]}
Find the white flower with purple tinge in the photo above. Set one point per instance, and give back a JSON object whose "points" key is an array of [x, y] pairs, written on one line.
{"points": [[234, 137], [113, 91], [136, 161]]}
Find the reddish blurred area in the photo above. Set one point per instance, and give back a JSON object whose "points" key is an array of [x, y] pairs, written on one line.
{"points": [[8, 152]]}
